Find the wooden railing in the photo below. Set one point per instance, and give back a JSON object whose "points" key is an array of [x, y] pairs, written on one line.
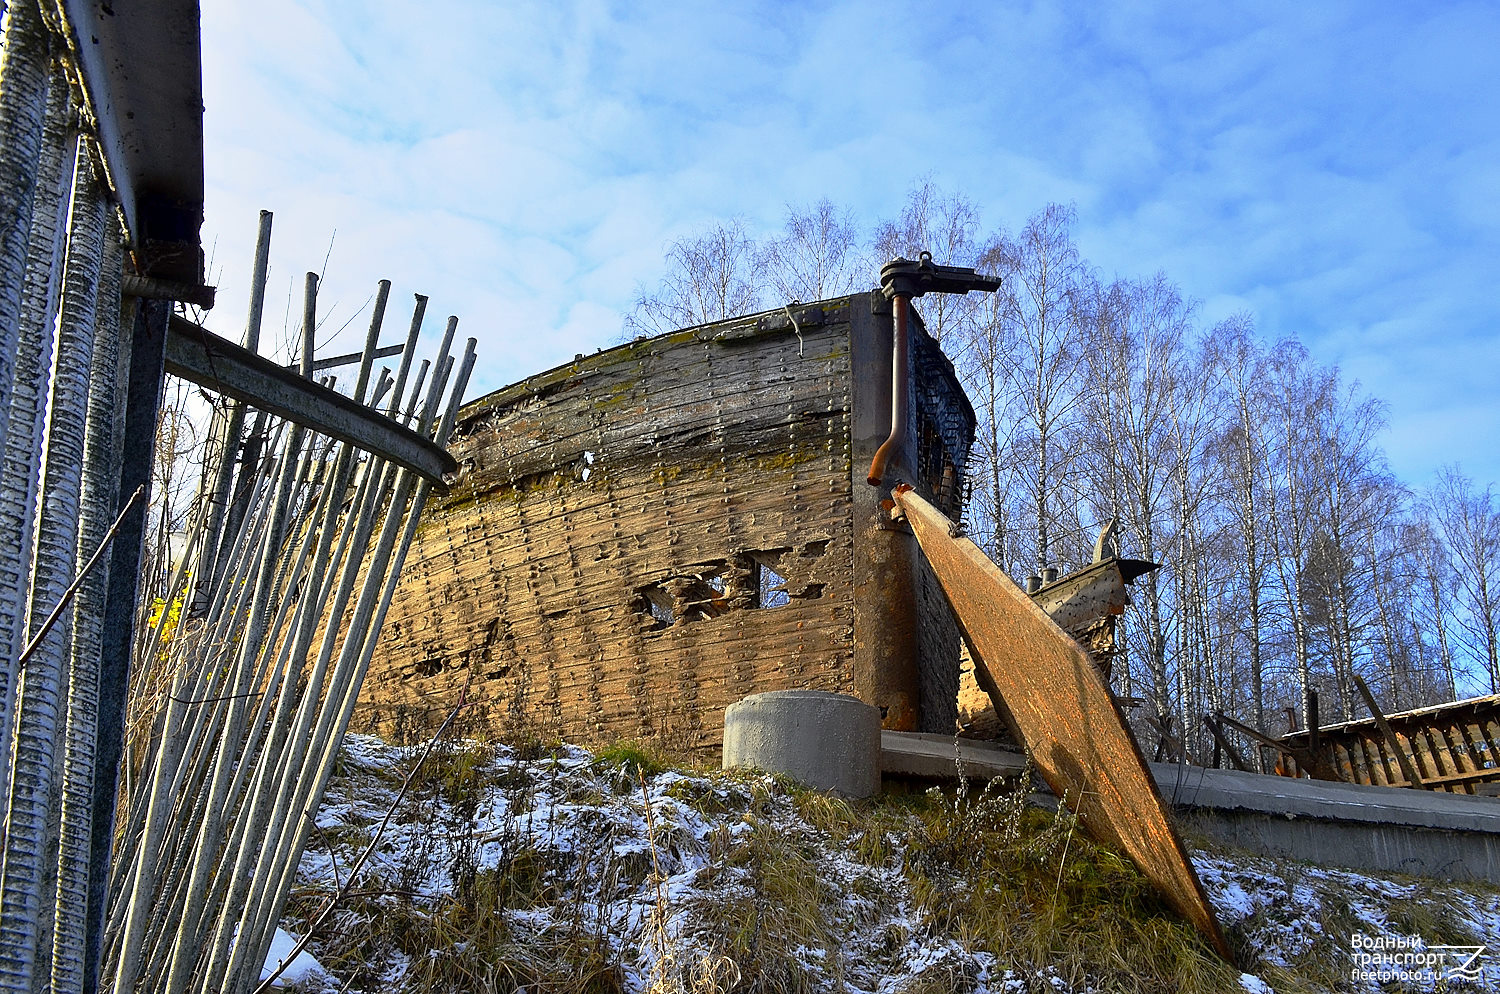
{"points": [[1451, 747]]}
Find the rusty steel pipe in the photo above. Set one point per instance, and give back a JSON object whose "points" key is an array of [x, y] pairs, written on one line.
{"points": [[900, 387]]}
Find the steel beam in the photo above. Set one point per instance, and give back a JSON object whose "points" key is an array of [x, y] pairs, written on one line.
{"points": [[143, 84], [198, 355], [143, 388]]}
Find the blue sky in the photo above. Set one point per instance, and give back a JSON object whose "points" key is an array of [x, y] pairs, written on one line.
{"points": [[1331, 168]]}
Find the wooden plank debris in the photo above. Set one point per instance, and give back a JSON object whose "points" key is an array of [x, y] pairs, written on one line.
{"points": [[1407, 769], [1452, 747]]}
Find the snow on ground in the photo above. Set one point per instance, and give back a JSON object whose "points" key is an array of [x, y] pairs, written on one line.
{"points": [[1281, 910], [303, 969], [651, 885]]}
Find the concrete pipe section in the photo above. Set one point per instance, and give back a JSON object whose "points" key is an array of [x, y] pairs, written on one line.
{"points": [[828, 741]]}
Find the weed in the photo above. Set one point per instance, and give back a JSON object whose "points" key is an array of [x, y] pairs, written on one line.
{"points": [[1022, 884], [635, 759], [552, 872]]}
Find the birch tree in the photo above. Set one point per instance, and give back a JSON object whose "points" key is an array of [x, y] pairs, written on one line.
{"points": [[1243, 457], [985, 372], [1132, 352], [1469, 520], [818, 256], [1043, 277], [1354, 491], [1438, 585], [946, 225], [710, 277], [1299, 396]]}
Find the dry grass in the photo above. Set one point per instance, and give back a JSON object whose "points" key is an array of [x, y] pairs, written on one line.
{"points": [[1025, 885], [794, 891]]}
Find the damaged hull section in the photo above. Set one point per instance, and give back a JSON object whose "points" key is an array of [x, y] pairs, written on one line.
{"points": [[640, 538]]}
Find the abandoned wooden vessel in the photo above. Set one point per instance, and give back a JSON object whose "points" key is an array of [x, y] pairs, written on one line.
{"points": [[643, 536], [1449, 747]]}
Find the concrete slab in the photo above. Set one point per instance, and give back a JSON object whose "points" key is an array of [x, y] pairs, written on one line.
{"points": [[1392, 829], [937, 757], [1231, 790], [1425, 833]]}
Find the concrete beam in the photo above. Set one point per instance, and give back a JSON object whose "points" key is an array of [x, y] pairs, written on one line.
{"points": [[1386, 829]]}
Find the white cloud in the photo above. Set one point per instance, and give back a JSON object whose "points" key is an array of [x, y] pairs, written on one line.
{"points": [[1331, 167]]}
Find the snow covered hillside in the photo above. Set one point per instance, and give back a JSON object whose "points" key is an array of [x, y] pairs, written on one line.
{"points": [[562, 871]]}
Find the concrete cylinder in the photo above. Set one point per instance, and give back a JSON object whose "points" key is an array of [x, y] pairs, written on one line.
{"points": [[828, 741]]}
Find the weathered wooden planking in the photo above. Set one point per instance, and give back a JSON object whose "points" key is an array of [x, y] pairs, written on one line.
{"points": [[652, 469], [1063, 712], [1450, 746]]}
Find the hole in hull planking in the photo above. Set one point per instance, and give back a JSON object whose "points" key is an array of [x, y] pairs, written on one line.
{"points": [[756, 579], [815, 548], [770, 588]]}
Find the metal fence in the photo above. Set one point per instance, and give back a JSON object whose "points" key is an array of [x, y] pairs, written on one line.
{"points": [[66, 412], [299, 570]]}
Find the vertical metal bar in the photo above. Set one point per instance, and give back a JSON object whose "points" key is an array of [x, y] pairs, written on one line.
{"points": [[286, 757], [143, 402], [374, 601], [96, 499], [246, 475], [104, 402], [232, 421], [285, 745], [309, 322], [1314, 724], [28, 877], [24, 59], [372, 340], [891, 449], [26, 406], [185, 946]]}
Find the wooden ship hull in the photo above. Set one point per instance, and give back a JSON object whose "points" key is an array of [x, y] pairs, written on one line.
{"points": [[644, 536]]}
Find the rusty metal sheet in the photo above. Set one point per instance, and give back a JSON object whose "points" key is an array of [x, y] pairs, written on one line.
{"points": [[1084, 596], [1063, 711]]}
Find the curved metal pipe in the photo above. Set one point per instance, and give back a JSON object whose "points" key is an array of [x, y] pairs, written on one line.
{"points": [[900, 387]]}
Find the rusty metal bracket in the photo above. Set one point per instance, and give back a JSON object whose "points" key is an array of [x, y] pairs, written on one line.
{"points": [[1063, 711], [892, 518], [905, 278]]}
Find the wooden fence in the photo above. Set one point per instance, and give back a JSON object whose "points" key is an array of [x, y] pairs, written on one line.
{"points": [[1451, 747]]}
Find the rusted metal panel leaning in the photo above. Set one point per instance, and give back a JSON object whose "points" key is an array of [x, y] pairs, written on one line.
{"points": [[1063, 712]]}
